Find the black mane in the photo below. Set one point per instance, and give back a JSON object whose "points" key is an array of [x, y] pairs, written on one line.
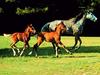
{"points": [[78, 17]]}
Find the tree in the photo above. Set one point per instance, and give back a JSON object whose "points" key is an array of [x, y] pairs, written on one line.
{"points": [[18, 13]]}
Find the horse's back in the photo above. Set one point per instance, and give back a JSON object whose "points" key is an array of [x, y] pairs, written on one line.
{"points": [[69, 22], [17, 36], [48, 36]]}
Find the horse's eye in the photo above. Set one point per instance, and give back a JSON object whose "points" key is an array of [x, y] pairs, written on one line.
{"points": [[88, 12]]}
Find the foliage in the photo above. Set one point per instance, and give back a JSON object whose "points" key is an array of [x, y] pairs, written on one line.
{"points": [[9, 0], [28, 7], [29, 10], [89, 4], [21, 7], [1, 10]]}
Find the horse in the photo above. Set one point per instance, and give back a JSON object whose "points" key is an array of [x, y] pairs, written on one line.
{"points": [[54, 37], [22, 36], [76, 28]]}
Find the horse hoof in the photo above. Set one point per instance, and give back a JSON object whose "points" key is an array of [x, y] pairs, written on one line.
{"points": [[70, 53], [14, 55], [36, 56], [18, 50], [59, 51], [57, 56], [71, 48], [20, 55], [30, 53]]}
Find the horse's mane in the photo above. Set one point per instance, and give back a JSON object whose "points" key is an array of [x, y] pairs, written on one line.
{"points": [[58, 25], [74, 18], [78, 17], [28, 25]]}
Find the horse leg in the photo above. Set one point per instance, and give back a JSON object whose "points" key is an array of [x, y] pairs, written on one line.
{"points": [[12, 46], [59, 42], [39, 42], [35, 49], [55, 47], [80, 42], [76, 41], [14, 52], [77, 38], [25, 44], [17, 48], [56, 51]]}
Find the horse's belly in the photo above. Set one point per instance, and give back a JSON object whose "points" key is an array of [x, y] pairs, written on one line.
{"points": [[49, 38]]}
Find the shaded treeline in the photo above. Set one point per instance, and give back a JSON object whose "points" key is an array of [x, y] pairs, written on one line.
{"points": [[57, 9]]}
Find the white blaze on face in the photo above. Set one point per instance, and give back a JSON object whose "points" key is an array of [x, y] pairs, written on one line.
{"points": [[91, 17]]}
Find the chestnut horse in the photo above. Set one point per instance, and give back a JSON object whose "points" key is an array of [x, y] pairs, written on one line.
{"points": [[22, 36], [53, 37]]}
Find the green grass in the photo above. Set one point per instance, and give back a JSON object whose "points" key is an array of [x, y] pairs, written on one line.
{"points": [[85, 61]]}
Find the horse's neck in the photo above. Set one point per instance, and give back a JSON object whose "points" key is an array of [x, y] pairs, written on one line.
{"points": [[27, 33], [72, 19], [58, 31], [81, 21], [83, 18]]}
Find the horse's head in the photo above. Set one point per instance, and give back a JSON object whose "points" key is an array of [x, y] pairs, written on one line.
{"points": [[90, 16], [61, 27], [31, 30]]}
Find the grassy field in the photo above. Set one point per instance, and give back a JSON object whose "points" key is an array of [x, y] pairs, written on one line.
{"points": [[85, 61]]}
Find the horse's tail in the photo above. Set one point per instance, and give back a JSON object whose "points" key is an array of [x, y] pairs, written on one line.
{"points": [[36, 35], [40, 34], [45, 27], [6, 35]]}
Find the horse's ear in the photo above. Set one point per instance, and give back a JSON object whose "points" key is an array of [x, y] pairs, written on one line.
{"points": [[60, 23], [30, 25], [55, 28]]}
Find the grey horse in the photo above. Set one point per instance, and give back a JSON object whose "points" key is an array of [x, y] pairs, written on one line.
{"points": [[76, 26]]}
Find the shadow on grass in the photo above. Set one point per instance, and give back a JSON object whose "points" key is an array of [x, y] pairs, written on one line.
{"points": [[48, 51], [7, 52]]}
